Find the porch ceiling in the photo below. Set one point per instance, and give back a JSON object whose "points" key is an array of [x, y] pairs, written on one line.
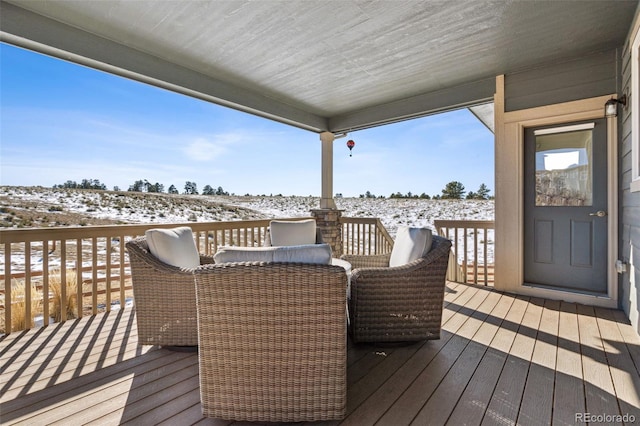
{"points": [[332, 65]]}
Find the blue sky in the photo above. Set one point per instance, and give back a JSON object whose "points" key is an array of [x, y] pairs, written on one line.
{"points": [[60, 121]]}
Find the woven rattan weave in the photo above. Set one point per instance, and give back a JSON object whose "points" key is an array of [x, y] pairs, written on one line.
{"points": [[398, 304], [273, 341], [165, 298]]}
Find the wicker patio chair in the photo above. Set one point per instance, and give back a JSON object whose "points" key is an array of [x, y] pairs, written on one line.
{"points": [[272, 341], [400, 303], [165, 298]]}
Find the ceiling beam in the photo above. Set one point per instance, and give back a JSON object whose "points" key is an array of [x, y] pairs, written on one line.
{"points": [[457, 97], [29, 30]]}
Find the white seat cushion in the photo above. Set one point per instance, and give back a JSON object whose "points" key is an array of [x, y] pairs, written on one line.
{"points": [[292, 232], [308, 253], [174, 246], [244, 254], [410, 244]]}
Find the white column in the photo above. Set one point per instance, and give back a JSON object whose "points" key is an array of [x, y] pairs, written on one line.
{"points": [[326, 200]]}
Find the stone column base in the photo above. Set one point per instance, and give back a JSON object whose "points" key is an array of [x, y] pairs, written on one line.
{"points": [[328, 221]]}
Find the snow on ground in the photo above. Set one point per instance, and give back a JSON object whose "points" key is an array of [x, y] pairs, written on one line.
{"points": [[36, 207]]}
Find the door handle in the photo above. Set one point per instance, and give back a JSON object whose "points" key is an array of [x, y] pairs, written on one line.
{"points": [[599, 213]]}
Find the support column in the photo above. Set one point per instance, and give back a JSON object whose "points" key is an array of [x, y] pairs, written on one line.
{"points": [[328, 216], [328, 221], [326, 198]]}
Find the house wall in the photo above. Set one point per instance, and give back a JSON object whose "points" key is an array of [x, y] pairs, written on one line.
{"points": [[629, 232], [523, 100], [587, 77]]}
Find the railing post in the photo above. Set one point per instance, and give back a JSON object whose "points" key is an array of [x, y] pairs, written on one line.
{"points": [[328, 221]]}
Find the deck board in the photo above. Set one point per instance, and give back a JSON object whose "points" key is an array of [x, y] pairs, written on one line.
{"points": [[569, 387], [501, 359]]}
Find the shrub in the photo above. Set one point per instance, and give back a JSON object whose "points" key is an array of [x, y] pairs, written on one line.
{"points": [[19, 308], [55, 286]]}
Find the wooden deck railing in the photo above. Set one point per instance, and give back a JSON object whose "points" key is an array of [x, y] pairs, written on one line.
{"points": [[365, 236], [36, 258], [33, 259], [472, 253], [33, 263]]}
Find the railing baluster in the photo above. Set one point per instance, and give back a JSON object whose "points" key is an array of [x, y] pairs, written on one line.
{"points": [[63, 280], [7, 288], [79, 278], [94, 276], [28, 317], [486, 266], [108, 275], [45, 283]]}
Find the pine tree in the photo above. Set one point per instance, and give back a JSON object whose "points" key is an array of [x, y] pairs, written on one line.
{"points": [[208, 190], [190, 188], [453, 190], [483, 192]]}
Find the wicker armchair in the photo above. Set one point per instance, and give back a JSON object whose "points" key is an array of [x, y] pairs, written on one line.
{"points": [[272, 341], [398, 304], [165, 298]]}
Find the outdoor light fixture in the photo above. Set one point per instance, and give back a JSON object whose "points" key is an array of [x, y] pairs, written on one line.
{"points": [[611, 106]]}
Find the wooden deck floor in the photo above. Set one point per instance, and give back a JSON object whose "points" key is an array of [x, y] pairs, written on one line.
{"points": [[501, 360]]}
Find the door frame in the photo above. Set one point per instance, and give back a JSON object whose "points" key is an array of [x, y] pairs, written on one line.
{"points": [[509, 204]]}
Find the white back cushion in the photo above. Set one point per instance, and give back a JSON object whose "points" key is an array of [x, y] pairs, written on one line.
{"points": [[292, 232], [174, 246], [410, 244]]}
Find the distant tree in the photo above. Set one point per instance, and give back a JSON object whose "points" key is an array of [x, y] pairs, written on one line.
{"points": [[84, 184], [116, 188], [483, 192], [156, 187], [425, 196], [453, 190], [208, 190], [190, 188], [172, 190], [138, 186], [221, 191]]}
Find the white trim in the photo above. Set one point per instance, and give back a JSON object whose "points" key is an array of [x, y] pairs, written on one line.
{"points": [[569, 296], [612, 201], [635, 112], [564, 129], [509, 244]]}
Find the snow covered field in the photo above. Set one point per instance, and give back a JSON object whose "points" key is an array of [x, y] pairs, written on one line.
{"points": [[41, 207], [27, 207], [45, 207]]}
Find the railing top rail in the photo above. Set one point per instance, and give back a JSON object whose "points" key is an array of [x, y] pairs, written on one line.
{"points": [[384, 231], [464, 223], [365, 220], [73, 232]]}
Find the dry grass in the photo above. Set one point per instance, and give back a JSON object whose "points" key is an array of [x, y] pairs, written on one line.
{"points": [[18, 306], [66, 301]]}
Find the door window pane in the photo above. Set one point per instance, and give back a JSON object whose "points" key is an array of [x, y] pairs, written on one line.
{"points": [[564, 169]]}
